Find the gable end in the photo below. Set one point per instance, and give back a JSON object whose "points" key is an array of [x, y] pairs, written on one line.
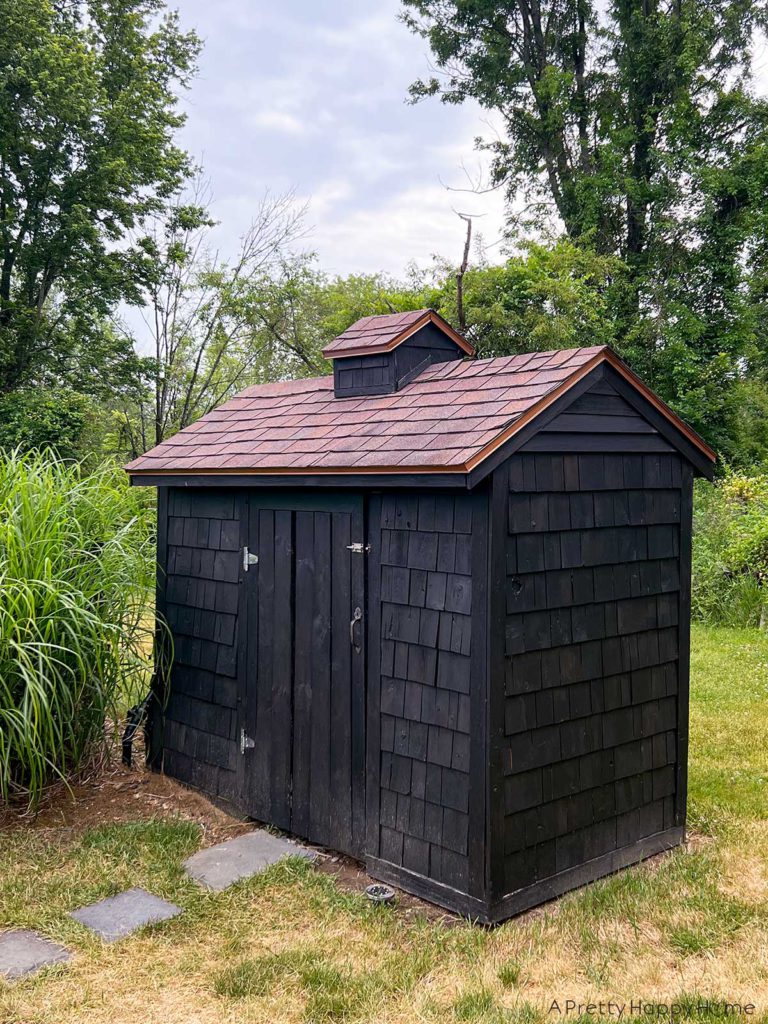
{"points": [[603, 412]]}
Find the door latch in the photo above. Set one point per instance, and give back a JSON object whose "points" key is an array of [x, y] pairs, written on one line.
{"points": [[249, 559], [358, 548], [246, 743]]}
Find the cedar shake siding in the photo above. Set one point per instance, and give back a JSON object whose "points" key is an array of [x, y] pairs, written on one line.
{"points": [[593, 707], [201, 593], [424, 546]]}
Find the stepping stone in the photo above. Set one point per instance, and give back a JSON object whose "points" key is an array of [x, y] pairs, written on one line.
{"points": [[24, 952], [220, 866], [118, 916]]}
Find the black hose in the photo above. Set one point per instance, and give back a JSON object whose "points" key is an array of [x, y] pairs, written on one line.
{"points": [[134, 720]]}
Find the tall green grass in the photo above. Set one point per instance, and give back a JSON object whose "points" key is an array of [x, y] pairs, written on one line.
{"points": [[76, 571]]}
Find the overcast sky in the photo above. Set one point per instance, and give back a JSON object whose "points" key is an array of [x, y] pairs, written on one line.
{"points": [[312, 96]]}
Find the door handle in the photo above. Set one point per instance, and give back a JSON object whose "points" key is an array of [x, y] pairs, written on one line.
{"points": [[356, 617]]}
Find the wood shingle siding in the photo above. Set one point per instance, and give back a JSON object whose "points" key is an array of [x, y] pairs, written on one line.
{"points": [[591, 655], [201, 594], [425, 647], [431, 618]]}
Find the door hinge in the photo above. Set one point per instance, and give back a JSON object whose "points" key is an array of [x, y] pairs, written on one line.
{"points": [[246, 743], [358, 548], [249, 559]]}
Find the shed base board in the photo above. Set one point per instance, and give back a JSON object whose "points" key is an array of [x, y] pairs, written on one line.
{"points": [[428, 889], [532, 895], [548, 888]]}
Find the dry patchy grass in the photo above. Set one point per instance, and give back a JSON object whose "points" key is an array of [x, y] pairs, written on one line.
{"points": [[301, 945]]}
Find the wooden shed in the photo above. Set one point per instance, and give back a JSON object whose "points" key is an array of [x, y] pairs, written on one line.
{"points": [[433, 612]]}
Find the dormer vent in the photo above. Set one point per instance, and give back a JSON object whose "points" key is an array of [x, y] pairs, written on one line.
{"points": [[380, 354]]}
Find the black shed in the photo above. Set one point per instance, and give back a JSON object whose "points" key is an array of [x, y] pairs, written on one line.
{"points": [[433, 612]]}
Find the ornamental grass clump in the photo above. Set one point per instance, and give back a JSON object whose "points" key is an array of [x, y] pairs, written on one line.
{"points": [[76, 573]]}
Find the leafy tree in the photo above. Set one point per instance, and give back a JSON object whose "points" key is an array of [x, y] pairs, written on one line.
{"points": [[340, 301], [58, 420], [632, 124], [213, 325], [88, 115], [550, 297]]}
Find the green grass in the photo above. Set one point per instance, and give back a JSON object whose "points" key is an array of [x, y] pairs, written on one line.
{"points": [[258, 977], [293, 945], [729, 725], [476, 1006], [509, 974]]}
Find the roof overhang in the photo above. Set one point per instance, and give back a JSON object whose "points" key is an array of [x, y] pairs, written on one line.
{"points": [[469, 473], [429, 317]]}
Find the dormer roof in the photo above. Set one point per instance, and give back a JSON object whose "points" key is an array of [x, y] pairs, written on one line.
{"points": [[373, 335]]}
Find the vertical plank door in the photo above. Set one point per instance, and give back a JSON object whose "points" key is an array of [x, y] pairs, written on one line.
{"points": [[304, 706], [266, 617]]}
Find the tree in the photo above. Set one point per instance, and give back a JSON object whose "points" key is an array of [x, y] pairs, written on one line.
{"points": [[88, 116], [212, 325], [632, 124], [550, 297], [36, 419], [337, 302]]}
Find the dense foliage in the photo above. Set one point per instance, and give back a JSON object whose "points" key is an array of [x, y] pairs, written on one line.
{"points": [[56, 419], [76, 568], [634, 156], [88, 117], [634, 126], [730, 551]]}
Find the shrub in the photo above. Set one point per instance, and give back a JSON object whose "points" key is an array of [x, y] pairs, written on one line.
{"points": [[38, 419], [76, 569], [730, 550]]}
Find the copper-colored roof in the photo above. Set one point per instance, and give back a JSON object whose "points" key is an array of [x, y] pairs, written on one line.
{"points": [[448, 419], [375, 334]]}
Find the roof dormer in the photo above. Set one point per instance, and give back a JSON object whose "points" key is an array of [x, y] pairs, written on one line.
{"points": [[379, 354]]}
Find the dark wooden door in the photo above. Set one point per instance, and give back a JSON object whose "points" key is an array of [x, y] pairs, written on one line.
{"points": [[303, 712]]}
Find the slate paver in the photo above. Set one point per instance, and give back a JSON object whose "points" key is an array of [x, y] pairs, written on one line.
{"points": [[220, 866], [24, 952], [118, 916]]}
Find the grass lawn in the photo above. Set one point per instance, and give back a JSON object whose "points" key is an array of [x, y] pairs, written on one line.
{"points": [[295, 945]]}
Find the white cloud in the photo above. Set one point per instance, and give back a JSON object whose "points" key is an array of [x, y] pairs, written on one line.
{"points": [[412, 225], [314, 98], [278, 121]]}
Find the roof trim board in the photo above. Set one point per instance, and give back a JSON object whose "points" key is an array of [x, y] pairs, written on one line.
{"points": [[429, 316], [279, 480]]}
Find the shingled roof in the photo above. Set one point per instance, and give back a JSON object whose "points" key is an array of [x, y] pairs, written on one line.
{"points": [[450, 418], [375, 334]]}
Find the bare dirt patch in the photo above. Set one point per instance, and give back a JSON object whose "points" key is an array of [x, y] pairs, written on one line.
{"points": [[115, 794]]}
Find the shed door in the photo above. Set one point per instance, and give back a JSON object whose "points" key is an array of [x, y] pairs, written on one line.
{"points": [[304, 688]]}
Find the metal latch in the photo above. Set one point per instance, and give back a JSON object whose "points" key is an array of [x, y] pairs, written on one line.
{"points": [[249, 559], [358, 548], [246, 743]]}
